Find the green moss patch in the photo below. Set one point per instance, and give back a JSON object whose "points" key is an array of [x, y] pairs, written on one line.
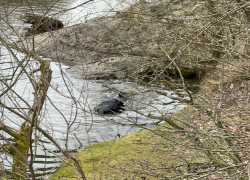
{"points": [[148, 153]]}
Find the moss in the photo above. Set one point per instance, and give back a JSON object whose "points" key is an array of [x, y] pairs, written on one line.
{"points": [[138, 152], [42, 66], [22, 146], [40, 82], [127, 155], [8, 148]]}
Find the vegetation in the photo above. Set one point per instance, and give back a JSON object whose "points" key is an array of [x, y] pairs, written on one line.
{"points": [[129, 156], [157, 46]]}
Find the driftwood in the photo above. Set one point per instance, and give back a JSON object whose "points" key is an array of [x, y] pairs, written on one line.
{"points": [[41, 23]]}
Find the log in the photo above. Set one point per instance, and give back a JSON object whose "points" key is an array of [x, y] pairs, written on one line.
{"points": [[41, 23]]}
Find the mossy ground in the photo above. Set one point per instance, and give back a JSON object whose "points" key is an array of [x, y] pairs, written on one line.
{"points": [[135, 154]]}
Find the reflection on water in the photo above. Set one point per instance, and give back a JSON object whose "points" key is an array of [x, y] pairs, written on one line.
{"points": [[58, 8], [67, 109]]}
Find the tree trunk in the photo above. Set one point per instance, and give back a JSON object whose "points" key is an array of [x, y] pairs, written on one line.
{"points": [[23, 139], [22, 145]]}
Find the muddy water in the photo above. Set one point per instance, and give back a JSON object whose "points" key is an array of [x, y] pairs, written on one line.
{"points": [[61, 115]]}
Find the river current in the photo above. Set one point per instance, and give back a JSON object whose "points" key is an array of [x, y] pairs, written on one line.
{"points": [[60, 110]]}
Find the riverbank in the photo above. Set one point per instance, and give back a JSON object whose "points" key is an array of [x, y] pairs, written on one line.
{"points": [[169, 152], [127, 44], [132, 155], [200, 139]]}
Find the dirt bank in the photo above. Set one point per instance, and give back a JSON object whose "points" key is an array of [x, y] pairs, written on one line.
{"points": [[117, 46]]}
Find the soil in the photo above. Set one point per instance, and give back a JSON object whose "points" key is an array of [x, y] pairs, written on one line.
{"points": [[118, 46]]}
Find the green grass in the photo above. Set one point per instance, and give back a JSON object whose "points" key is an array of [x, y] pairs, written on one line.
{"points": [[114, 153], [136, 154]]}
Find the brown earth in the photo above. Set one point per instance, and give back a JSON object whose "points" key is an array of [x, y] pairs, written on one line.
{"points": [[135, 41]]}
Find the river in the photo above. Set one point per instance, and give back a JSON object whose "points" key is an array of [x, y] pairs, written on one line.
{"points": [[60, 110]]}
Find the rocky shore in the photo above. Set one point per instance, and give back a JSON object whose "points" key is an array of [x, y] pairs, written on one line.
{"points": [[123, 45]]}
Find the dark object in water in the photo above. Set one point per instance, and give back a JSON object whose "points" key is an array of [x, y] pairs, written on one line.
{"points": [[41, 23], [111, 106]]}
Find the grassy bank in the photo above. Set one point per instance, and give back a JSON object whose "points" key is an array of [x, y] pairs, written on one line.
{"points": [[136, 155]]}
